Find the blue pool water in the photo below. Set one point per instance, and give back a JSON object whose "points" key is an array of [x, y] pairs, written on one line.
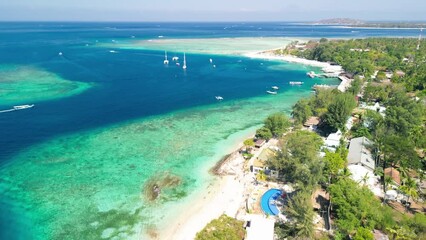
{"points": [[267, 201]]}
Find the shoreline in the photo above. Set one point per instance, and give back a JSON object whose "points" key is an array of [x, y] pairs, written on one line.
{"points": [[287, 58], [325, 66], [223, 196]]}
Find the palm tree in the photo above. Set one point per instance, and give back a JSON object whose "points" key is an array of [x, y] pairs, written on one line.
{"points": [[400, 233], [300, 209], [388, 181], [345, 173], [261, 176], [403, 171], [364, 179], [410, 187]]}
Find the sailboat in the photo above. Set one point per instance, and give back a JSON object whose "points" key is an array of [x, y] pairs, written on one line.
{"points": [[184, 61], [166, 61]]}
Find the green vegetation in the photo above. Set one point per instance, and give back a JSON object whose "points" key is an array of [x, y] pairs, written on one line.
{"points": [[223, 228], [300, 210], [277, 123], [299, 160], [338, 112], [332, 106], [264, 133], [301, 111], [274, 126], [364, 56], [398, 133], [356, 207]]}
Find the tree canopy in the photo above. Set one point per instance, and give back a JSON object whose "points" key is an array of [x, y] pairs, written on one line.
{"points": [[223, 228], [339, 111], [298, 159], [356, 207], [277, 123]]}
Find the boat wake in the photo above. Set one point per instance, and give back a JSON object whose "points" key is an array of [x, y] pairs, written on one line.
{"points": [[16, 108]]}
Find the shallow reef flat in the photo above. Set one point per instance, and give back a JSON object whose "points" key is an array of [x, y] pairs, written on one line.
{"points": [[28, 84], [93, 184], [222, 46]]}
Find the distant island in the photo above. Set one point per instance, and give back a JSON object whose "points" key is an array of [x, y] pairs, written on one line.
{"points": [[359, 23], [339, 21]]}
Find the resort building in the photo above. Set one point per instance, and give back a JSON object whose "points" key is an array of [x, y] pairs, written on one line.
{"points": [[333, 141], [259, 143], [376, 107], [312, 123], [361, 165], [394, 174], [259, 227], [359, 154], [259, 163]]}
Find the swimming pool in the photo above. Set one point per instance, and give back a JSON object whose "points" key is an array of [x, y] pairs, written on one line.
{"points": [[268, 201]]}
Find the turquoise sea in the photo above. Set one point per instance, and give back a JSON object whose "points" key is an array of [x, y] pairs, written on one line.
{"points": [[110, 117]]}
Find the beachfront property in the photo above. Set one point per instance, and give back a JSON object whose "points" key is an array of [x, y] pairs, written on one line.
{"points": [[312, 123], [259, 143], [394, 174], [259, 163], [332, 142], [360, 154], [361, 164], [259, 227], [376, 107]]}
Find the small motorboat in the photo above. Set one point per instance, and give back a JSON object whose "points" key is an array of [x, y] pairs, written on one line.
{"points": [[219, 98], [275, 87], [311, 74], [295, 83], [271, 92], [20, 107], [166, 61]]}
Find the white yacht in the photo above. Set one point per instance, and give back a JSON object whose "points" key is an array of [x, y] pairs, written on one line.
{"points": [[275, 87], [166, 61], [60, 54], [175, 59], [20, 107], [219, 98], [271, 92], [184, 61], [211, 60], [295, 83]]}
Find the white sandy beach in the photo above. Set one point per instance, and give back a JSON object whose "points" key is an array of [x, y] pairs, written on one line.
{"points": [[287, 58], [224, 197]]}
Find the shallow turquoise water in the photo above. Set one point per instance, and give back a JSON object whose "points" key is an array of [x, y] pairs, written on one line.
{"points": [[75, 167], [93, 180]]}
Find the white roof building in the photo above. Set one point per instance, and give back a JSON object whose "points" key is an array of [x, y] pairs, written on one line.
{"points": [[376, 107], [359, 154], [260, 228], [333, 140]]}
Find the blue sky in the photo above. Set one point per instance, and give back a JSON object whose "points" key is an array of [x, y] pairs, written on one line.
{"points": [[210, 10]]}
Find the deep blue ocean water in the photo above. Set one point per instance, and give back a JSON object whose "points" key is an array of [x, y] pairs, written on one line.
{"points": [[122, 93], [134, 83]]}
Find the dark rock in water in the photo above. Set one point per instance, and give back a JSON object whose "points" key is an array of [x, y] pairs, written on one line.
{"points": [[153, 187]]}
